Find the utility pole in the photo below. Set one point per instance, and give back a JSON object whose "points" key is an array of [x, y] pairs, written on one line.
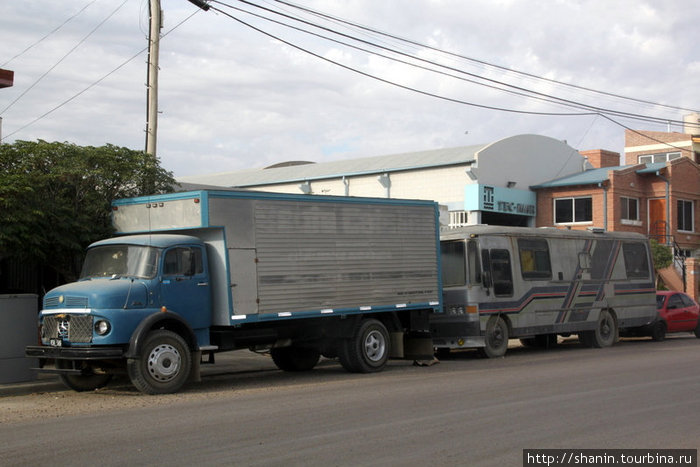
{"points": [[154, 13]]}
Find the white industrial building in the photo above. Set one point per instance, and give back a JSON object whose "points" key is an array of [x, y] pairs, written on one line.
{"points": [[486, 183]]}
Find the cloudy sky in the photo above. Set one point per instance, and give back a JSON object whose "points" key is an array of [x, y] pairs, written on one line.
{"points": [[232, 97]]}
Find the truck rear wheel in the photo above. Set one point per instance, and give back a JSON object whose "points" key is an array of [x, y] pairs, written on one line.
{"points": [[368, 350], [163, 365], [295, 358], [82, 383]]}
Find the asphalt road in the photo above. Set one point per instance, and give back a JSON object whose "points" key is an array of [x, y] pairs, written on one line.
{"points": [[463, 411]]}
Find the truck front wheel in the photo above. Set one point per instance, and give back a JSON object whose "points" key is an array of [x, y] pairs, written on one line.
{"points": [[163, 365], [368, 350]]}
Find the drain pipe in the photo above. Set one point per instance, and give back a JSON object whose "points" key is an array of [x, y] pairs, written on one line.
{"points": [[604, 186]]}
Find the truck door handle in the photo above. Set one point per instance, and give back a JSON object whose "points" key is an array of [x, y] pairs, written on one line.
{"points": [[203, 283]]}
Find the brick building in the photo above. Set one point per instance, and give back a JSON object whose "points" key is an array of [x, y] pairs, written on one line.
{"points": [[656, 193]]}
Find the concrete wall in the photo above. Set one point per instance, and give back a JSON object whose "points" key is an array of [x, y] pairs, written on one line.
{"points": [[18, 328]]}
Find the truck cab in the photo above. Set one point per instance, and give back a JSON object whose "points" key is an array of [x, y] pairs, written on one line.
{"points": [[129, 286]]}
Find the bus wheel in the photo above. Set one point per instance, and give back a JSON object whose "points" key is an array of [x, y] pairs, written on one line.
{"points": [[164, 364], [605, 333], [81, 383], [496, 338], [368, 350], [658, 331], [295, 358]]}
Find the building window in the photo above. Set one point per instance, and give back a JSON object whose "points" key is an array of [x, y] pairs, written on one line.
{"points": [[629, 209], [685, 215], [661, 157], [571, 210]]}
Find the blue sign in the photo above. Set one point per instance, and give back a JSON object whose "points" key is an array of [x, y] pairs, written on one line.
{"points": [[497, 199]]}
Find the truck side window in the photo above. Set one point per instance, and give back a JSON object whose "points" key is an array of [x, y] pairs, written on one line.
{"points": [[636, 261], [501, 272], [183, 261], [534, 259], [452, 259]]}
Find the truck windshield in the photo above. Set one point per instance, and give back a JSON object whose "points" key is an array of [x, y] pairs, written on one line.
{"points": [[120, 260]]}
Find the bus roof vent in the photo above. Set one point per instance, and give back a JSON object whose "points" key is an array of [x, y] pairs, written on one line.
{"points": [[596, 229]]}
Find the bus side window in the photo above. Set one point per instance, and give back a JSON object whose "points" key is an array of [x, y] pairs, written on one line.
{"points": [[473, 263], [501, 275], [600, 258], [534, 259], [636, 261]]}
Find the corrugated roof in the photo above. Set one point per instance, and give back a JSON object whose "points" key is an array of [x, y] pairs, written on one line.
{"points": [[595, 176], [589, 177], [351, 167], [650, 168]]}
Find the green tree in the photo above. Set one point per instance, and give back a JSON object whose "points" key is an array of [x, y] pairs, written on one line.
{"points": [[55, 198], [662, 257]]}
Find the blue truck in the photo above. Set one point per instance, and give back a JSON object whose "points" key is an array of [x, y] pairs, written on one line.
{"points": [[194, 273]]}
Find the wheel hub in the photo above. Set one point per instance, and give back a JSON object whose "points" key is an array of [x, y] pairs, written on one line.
{"points": [[164, 362], [375, 346]]}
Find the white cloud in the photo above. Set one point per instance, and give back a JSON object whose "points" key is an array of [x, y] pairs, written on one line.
{"points": [[232, 98]]}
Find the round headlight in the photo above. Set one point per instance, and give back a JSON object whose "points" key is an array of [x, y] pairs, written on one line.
{"points": [[102, 327]]}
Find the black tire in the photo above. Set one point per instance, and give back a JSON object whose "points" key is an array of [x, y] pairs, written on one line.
{"points": [[368, 350], [164, 364], [605, 333], [295, 358], [658, 331], [495, 339], [82, 383], [697, 330]]}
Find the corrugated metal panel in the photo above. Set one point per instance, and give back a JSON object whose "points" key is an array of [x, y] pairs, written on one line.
{"points": [[349, 167], [327, 255]]}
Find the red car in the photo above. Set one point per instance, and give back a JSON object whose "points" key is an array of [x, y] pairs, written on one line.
{"points": [[677, 313]]}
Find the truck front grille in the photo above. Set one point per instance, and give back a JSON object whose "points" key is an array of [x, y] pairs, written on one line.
{"points": [[68, 302], [73, 328]]}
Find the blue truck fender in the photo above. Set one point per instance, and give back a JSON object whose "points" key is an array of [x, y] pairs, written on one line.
{"points": [[160, 320]]}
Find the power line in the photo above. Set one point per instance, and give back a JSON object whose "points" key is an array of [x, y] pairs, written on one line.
{"points": [[521, 90], [49, 34], [377, 78], [64, 57], [95, 83], [481, 62]]}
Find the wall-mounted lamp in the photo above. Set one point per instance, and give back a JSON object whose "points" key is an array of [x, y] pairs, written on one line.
{"points": [[305, 187]]}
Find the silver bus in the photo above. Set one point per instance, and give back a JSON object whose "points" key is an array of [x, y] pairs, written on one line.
{"points": [[533, 284]]}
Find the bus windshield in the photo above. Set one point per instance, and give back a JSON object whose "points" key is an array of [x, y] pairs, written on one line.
{"points": [[121, 260]]}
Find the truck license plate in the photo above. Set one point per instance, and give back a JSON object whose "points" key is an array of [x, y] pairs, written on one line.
{"points": [[56, 342]]}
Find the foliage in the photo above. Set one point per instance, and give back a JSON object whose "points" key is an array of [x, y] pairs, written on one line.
{"points": [[661, 255], [55, 197]]}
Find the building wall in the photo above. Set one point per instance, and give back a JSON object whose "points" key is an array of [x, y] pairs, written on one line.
{"points": [[442, 184], [684, 177], [639, 143]]}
